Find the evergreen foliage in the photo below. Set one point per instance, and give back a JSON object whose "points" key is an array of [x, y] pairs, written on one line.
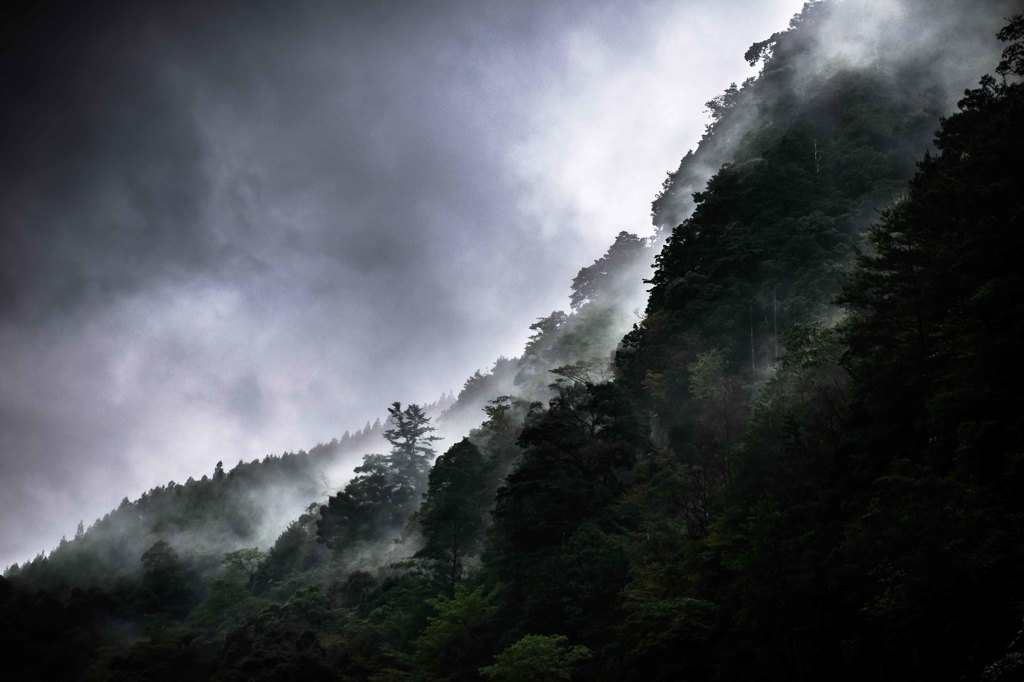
{"points": [[806, 465], [386, 488]]}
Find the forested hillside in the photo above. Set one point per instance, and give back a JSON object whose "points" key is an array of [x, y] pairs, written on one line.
{"points": [[793, 452]]}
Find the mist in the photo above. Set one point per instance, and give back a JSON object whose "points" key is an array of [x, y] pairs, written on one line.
{"points": [[655, 426], [236, 230], [936, 50]]}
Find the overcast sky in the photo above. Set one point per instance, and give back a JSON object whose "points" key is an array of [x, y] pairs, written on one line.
{"points": [[241, 229]]}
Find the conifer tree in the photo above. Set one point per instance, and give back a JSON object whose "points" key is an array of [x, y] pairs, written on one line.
{"points": [[411, 437]]}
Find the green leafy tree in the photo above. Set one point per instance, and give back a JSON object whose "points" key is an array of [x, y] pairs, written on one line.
{"points": [[537, 658], [610, 276], [164, 580], [453, 512], [577, 455], [458, 636], [375, 502], [246, 562], [934, 351]]}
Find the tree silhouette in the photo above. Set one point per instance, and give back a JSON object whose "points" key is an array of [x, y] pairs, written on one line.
{"points": [[452, 515], [411, 440]]}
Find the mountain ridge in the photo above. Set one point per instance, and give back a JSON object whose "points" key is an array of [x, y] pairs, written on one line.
{"points": [[676, 506]]}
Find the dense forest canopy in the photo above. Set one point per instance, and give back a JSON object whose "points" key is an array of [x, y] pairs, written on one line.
{"points": [[794, 452]]}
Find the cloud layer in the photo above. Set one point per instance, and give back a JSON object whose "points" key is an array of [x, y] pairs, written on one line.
{"points": [[236, 229]]}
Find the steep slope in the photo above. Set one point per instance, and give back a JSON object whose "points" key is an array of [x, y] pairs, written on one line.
{"points": [[247, 505], [805, 466], [825, 138], [917, 56]]}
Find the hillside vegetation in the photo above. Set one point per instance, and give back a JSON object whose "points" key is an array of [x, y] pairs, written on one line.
{"points": [[793, 452]]}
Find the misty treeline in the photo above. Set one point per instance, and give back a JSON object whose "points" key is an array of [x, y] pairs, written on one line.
{"points": [[231, 508], [797, 456]]}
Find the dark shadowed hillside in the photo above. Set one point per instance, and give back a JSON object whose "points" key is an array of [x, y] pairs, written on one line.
{"points": [[790, 450]]}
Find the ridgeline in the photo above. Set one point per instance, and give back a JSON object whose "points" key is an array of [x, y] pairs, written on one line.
{"points": [[792, 450]]}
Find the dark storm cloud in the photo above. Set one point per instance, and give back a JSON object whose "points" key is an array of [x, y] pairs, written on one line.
{"points": [[103, 178], [231, 229]]}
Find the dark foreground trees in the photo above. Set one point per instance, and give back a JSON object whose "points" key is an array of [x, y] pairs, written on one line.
{"points": [[759, 495]]}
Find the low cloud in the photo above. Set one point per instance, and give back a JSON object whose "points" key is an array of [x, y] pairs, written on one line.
{"points": [[229, 230]]}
